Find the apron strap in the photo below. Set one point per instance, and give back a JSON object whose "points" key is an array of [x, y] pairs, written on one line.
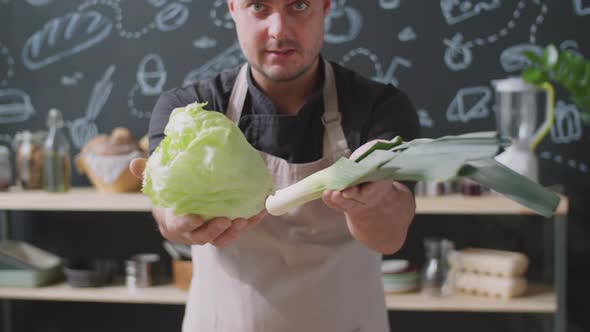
{"points": [[334, 140], [238, 95], [335, 144]]}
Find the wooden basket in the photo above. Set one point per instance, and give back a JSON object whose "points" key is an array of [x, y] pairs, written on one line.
{"points": [[126, 182]]}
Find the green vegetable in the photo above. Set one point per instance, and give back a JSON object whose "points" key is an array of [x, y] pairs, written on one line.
{"points": [[205, 166], [565, 68], [445, 158]]}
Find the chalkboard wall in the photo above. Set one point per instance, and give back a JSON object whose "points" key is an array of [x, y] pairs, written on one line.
{"points": [[103, 63]]}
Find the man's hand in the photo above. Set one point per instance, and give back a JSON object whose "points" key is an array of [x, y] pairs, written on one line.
{"points": [[377, 213], [191, 229]]}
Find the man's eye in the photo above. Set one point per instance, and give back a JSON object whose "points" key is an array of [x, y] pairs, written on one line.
{"points": [[256, 7], [300, 5]]}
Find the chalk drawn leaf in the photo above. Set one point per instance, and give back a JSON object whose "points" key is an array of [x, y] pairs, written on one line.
{"points": [[65, 36]]}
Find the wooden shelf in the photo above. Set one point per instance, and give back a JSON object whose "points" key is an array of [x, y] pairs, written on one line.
{"points": [[88, 199], [492, 204], [165, 294], [540, 299], [77, 199]]}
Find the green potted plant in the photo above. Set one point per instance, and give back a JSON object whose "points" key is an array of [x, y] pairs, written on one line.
{"points": [[565, 68]]}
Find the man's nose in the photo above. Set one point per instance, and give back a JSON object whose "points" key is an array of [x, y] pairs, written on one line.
{"points": [[277, 26]]}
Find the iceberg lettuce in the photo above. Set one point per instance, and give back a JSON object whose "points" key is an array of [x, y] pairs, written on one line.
{"points": [[205, 166]]}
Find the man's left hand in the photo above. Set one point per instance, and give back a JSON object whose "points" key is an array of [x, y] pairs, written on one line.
{"points": [[378, 213]]}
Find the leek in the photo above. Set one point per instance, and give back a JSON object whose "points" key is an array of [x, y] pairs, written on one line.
{"points": [[469, 155]]}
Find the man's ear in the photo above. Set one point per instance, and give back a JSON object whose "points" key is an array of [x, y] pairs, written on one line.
{"points": [[231, 7], [327, 5]]}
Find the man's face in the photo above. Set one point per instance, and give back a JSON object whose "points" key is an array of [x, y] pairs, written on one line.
{"points": [[281, 39]]}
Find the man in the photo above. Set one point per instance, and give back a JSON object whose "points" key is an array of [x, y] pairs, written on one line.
{"points": [[318, 267]]}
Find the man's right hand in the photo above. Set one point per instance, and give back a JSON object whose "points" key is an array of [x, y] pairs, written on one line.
{"points": [[190, 228]]}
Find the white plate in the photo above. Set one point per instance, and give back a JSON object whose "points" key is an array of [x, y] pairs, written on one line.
{"points": [[394, 265]]}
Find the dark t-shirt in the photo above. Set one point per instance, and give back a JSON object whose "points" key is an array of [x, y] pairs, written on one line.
{"points": [[369, 110]]}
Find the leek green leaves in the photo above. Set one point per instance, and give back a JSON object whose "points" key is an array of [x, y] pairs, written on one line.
{"points": [[445, 158]]}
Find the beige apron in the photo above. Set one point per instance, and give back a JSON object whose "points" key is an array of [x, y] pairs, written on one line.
{"points": [[301, 272]]}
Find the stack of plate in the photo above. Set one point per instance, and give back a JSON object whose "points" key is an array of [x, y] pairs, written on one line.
{"points": [[399, 276]]}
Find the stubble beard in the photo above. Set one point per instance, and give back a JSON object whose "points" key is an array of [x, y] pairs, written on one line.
{"points": [[281, 78]]}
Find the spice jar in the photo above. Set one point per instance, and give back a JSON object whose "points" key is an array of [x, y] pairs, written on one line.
{"points": [[28, 161], [5, 168]]}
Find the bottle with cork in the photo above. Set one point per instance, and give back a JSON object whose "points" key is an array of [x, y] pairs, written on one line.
{"points": [[56, 155]]}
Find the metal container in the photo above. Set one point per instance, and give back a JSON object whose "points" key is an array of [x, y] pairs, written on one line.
{"points": [[142, 270]]}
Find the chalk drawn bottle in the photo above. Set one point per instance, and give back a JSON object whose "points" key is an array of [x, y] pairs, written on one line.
{"points": [[56, 155]]}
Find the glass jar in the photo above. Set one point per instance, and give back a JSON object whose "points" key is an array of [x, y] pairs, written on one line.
{"points": [[28, 161], [5, 168], [436, 273]]}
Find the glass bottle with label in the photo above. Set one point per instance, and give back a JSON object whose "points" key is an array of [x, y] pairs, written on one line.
{"points": [[29, 161], [437, 278], [56, 155]]}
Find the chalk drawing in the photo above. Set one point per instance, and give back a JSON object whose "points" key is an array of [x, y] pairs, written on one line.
{"points": [[572, 47], [425, 119], [6, 65], [205, 42], [172, 17], [231, 57], [114, 4], [157, 3], [151, 77], [538, 21], [169, 18], [7, 139], [379, 75], [389, 4], [71, 80], [567, 127], [220, 15], [582, 7], [456, 11], [407, 34], [339, 12], [83, 129], [65, 36], [15, 106], [469, 104], [458, 55], [559, 159], [38, 3], [512, 58]]}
